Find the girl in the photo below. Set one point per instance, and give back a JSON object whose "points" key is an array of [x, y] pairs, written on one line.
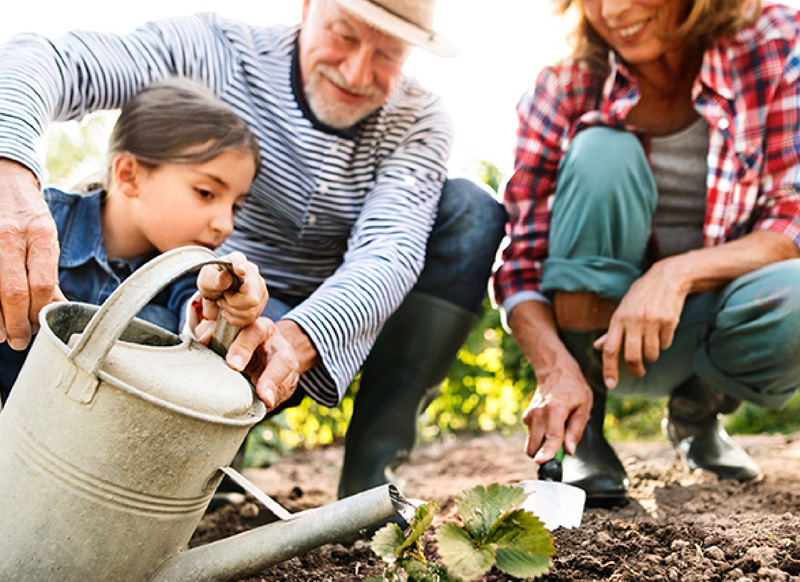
{"points": [[180, 164]]}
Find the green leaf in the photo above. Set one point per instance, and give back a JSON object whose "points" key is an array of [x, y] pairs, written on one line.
{"points": [[479, 507], [458, 552], [522, 544], [423, 518], [419, 571], [522, 564], [388, 541]]}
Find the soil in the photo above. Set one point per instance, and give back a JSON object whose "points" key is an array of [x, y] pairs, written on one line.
{"points": [[677, 526]]}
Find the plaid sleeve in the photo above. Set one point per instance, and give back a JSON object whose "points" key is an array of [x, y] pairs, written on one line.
{"points": [[779, 207], [546, 116]]}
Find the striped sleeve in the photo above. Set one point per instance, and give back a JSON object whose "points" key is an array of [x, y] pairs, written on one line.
{"points": [[43, 80], [385, 254], [341, 220]]}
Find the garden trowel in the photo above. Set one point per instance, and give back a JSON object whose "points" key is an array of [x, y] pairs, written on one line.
{"points": [[555, 503]]}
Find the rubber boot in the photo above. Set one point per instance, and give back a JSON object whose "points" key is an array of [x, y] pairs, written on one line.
{"points": [[400, 378], [694, 426], [595, 466]]}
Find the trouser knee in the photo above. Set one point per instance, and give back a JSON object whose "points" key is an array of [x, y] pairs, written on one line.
{"points": [[601, 216], [461, 250], [753, 348]]}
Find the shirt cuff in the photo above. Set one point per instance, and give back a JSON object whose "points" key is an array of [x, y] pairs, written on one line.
{"points": [[523, 296]]}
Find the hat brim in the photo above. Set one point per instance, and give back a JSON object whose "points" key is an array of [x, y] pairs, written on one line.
{"points": [[391, 24]]}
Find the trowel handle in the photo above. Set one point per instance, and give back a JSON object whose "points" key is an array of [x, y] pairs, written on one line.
{"points": [[224, 331], [223, 335], [552, 470]]}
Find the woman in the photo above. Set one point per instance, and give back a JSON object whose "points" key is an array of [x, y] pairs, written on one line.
{"points": [[654, 228]]}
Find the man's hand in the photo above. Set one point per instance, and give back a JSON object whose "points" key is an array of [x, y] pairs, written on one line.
{"points": [[29, 257], [261, 351]]}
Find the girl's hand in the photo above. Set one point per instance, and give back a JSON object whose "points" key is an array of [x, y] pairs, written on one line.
{"points": [[240, 305]]}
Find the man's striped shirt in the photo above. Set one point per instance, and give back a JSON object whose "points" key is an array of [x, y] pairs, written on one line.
{"points": [[340, 217]]}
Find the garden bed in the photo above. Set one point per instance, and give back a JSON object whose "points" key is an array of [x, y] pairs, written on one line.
{"points": [[678, 525]]}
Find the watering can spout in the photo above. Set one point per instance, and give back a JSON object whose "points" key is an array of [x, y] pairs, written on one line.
{"points": [[251, 551]]}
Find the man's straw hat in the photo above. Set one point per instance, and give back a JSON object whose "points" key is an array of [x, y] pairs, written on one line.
{"points": [[408, 20]]}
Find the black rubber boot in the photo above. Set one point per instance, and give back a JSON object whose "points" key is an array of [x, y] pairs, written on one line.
{"points": [[400, 378], [595, 466], [694, 426]]}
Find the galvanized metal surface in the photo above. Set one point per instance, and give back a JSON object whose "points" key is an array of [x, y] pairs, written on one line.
{"points": [[251, 551], [111, 443], [108, 455]]}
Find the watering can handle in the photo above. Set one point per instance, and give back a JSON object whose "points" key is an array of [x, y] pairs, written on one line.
{"points": [[108, 323]]}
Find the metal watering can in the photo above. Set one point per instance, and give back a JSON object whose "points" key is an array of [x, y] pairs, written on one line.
{"points": [[114, 439]]}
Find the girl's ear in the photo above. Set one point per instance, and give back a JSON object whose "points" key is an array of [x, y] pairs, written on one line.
{"points": [[125, 174]]}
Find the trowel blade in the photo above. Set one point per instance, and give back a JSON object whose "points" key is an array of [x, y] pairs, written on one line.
{"points": [[555, 504]]}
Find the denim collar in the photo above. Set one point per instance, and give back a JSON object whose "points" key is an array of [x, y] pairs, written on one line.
{"points": [[81, 238]]}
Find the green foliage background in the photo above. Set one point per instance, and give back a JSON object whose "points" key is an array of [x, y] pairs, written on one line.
{"points": [[488, 386]]}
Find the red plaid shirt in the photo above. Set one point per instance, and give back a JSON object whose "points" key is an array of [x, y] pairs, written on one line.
{"points": [[748, 90]]}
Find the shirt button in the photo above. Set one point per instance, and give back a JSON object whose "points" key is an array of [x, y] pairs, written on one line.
{"points": [[334, 147], [723, 124], [322, 188], [311, 219]]}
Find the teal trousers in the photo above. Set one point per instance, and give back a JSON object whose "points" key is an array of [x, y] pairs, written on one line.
{"points": [[743, 339]]}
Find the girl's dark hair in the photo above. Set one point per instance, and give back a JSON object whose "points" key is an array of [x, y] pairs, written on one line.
{"points": [[179, 121], [703, 22]]}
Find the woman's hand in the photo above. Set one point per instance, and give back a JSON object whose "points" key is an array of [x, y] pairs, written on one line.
{"points": [[558, 412], [644, 323], [560, 407]]}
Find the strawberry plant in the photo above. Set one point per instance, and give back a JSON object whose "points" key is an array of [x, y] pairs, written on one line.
{"points": [[494, 533]]}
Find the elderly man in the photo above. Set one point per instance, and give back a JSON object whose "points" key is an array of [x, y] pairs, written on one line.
{"points": [[375, 261]]}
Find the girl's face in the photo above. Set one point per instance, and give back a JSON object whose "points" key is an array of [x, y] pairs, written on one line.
{"points": [[635, 28], [191, 204]]}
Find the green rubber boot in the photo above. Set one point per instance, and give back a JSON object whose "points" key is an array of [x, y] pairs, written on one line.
{"points": [[400, 378], [695, 428]]}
